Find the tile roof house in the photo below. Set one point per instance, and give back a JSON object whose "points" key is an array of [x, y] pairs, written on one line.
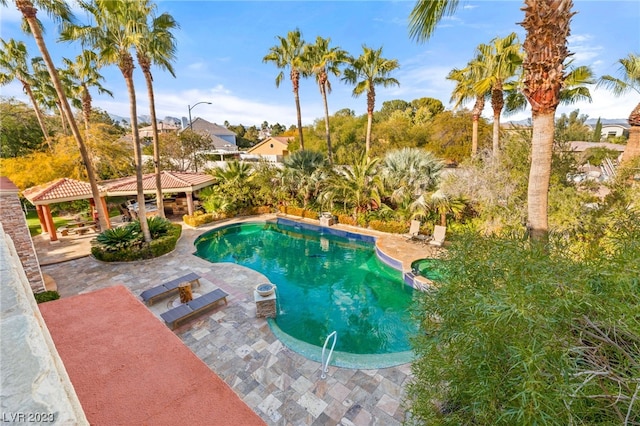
{"points": [[147, 132], [223, 138], [274, 145]]}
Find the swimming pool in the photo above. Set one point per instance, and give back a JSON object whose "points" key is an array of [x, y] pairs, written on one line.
{"points": [[325, 283]]}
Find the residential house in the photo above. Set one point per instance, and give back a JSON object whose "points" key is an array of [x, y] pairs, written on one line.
{"points": [[223, 139], [147, 132], [274, 148]]}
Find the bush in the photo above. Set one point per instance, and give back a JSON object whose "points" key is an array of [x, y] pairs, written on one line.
{"points": [[119, 238], [310, 214], [521, 334], [198, 218], [295, 211], [392, 227], [346, 219], [141, 250], [46, 296]]}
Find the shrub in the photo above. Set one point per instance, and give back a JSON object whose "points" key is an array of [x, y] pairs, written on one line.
{"points": [[392, 227], [119, 238], [158, 226], [46, 296], [310, 214], [295, 211], [142, 250], [198, 218], [264, 210], [521, 334], [346, 219]]}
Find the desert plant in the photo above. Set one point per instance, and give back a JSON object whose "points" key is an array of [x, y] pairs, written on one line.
{"points": [[115, 239]]}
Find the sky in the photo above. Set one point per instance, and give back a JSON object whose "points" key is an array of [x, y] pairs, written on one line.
{"points": [[221, 44]]}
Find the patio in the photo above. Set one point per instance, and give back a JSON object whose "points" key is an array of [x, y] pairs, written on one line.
{"points": [[278, 384]]}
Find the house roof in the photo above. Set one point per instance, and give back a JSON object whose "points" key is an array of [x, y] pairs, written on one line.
{"points": [[170, 181], [60, 190], [213, 129], [7, 187]]}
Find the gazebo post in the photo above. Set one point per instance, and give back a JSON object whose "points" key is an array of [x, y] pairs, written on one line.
{"points": [[53, 236], [104, 206], [43, 223], [190, 208]]}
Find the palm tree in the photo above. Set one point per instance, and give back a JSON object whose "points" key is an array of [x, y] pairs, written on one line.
{"points": [[45, 93], [409, 173], [358, 186], [547, 23], [13, 60], [303, 173], [288, 53], [440, 203], [325, 60], [498, 61], [59, 10], [158, 46], [117, 30], [463, 92], [628, 81], [366, 72], [84, 72]]}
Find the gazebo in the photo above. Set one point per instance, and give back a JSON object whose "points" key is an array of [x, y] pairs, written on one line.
{"points": [[171, 182], [59, 191]]}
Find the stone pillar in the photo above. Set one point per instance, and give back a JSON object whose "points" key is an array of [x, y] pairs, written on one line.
{"points": [[15, 225], [190, 207], [265, 305]]}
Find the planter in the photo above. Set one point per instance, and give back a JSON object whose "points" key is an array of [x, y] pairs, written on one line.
{"points": [[266, 289]]}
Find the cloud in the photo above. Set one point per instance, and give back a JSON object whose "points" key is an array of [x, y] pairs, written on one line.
{"points": [[583, 48]]}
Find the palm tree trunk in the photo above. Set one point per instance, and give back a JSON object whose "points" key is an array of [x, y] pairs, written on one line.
{"points": [[371, 102], [63, 122], [29, 12], [497, 103], [295, 81], [127, 72], [477, 111], [156, 142], [539, 175], [39, 115], [632, 150], [323, 91]]}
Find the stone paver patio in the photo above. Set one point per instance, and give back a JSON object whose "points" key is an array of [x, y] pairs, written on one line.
{"points": [[283, 387]]}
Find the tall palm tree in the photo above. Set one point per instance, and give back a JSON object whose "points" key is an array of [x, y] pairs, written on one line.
{"points": [[59, 11], [628, 81], [465, 91], [288, 53], [366, 72], [325, 60], [158, 46], [116, 31], [46, 93], [13, 61], [547, 24], [499, 62], [84, 73]]}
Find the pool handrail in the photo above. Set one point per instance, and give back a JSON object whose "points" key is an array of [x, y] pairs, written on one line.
{"points": [[325, 365]]}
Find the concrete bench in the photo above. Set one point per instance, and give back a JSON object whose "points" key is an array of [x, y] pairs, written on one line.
{"points": [[150, 295], [190, 309]]}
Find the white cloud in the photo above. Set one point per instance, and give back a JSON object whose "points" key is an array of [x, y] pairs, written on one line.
{"points": [[583, 48]]}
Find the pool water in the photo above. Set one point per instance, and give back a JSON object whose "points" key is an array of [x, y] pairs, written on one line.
{"points": [[325, 283]]}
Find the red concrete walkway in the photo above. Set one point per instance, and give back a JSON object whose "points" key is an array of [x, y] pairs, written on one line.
{"points": [[129, 369]]}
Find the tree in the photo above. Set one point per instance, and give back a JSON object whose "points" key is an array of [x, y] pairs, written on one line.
{"points": [[572, 127], [157, 46], [59, 10], [547, 24], [179, 151], [366, 72], [628, 81], [112, 37], [498, 62], [303, 173], [465, 91], [21, 133], [597, 131], [288, 54], [13, 60], [324, 60]]}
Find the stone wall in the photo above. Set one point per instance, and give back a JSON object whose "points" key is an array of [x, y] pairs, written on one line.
{"points": [[15, 225], [34, 385]]}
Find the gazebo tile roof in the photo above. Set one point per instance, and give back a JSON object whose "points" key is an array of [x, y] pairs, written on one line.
{"points": [[168, 179], [64, 189]]}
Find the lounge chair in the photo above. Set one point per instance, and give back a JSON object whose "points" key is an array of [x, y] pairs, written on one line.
{"points": [[414, 232], [150, 295], [439, 233], [196, 306]]}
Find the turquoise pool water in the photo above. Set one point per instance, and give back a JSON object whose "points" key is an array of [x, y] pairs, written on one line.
{"points": [[324, 283]]}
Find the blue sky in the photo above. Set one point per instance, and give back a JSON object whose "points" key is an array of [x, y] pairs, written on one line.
{"points": [[221, 45]]}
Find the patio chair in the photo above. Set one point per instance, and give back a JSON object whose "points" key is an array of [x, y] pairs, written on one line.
{"points": [[414, 232], [439, 233]]}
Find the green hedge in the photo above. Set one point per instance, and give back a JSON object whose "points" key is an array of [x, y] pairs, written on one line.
{"points": [[46, 296], [392, 227], [155, 248], [346, 219], [198, 219]]}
